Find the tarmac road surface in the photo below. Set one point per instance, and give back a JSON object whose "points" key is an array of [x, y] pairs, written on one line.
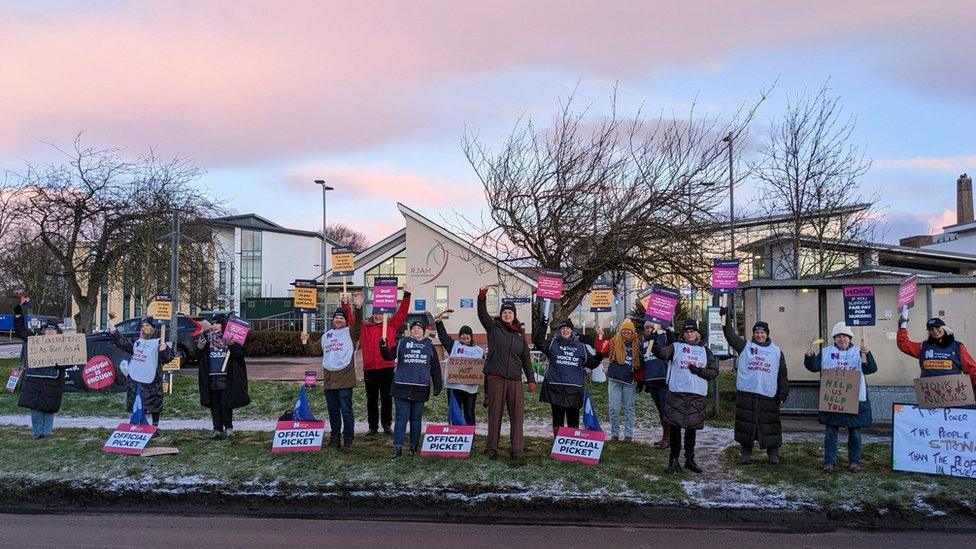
{"points": [[145, 530]]}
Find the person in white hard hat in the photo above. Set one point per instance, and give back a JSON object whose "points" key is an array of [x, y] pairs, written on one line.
{"points": [[843, 354]]}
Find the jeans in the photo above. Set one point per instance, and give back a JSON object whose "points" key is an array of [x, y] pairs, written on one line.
{"points": [[853, 446], [340, 412], [42, 423], [407, 410], [378, 401], [622, 398]]}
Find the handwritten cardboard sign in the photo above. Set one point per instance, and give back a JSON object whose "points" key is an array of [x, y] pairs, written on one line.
{"points": [[579, 445], [601, 297], [906, 292], [938, 441], [449, 441], [343, 261], [725, 276], [549, 284], [44, 351], [469, 371], [839, 388], [306, 295], [859, 306], [162, 307], [944, 391], [129, 438], [298, 436], [236, 330], [661, 304], [385, 294]]}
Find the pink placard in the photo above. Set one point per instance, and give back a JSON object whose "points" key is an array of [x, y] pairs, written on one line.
{"points": [[549, 285], [236, 330], [725, 275], [385, 295], [661, 304], [579, 445], [906, 292], [98, 373], [297, 436]]}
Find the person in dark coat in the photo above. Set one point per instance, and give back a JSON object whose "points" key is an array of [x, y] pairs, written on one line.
{"points": [[42, 387], [221, 377], [567, 357], [691, 366], [655, 381], [761, 386], [152, 393], [845, 355], [417, 366]]}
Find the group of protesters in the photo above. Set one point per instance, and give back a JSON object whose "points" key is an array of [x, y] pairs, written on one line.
{"points": [[401, 374]]}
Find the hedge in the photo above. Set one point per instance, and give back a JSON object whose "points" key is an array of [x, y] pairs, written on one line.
{"points": [[277, 343]]}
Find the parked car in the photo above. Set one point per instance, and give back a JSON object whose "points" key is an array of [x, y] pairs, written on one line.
{"points": [[189, 329]]}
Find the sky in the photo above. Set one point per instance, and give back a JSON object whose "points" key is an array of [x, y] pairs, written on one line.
{"points": [[374, 97]]}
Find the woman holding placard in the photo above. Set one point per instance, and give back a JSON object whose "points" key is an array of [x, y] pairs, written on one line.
{"points": [[691, 366], [466, 395], [339, 372], [221, 377], [939, 355], [656, 374], [43, 387], [844, 355], [142, 370], [567, 357]]}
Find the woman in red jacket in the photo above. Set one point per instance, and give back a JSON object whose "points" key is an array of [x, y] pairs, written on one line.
{"points": [[377, 371]]}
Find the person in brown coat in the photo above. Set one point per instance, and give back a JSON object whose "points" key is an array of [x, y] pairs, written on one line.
{"points": [[508, 358]]}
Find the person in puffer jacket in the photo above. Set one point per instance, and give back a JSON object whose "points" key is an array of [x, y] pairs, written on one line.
{"points": [[42, 387], [655, 381], [691, 366], [152, 392], [377, 372], [417, 366], [568, 357]]}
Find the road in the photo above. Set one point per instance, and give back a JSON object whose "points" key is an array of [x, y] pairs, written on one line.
{"points": [[127, 531]]}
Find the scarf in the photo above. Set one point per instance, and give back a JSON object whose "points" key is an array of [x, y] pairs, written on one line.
{"points": [[618, 351]]}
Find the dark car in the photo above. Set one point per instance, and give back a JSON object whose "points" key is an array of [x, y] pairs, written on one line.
{"points": [[189, 329]]}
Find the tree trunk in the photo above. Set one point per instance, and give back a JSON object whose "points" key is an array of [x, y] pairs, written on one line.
{"points": [[85, 317]]}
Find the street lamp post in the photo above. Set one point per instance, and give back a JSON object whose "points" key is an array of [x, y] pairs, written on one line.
{"points": [[325, 250]]}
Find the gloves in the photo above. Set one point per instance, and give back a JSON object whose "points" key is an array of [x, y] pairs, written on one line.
{"points": [[531, 386], [437, 391], [383, 342], [782, 398], [724, 311]]}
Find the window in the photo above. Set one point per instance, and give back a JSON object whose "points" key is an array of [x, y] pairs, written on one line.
{"points": [[126, 295], [442, 299], [222, 278], [103, 307], [250, 263]]}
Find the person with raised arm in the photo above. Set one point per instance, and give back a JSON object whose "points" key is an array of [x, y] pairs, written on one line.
{"points": [[221, 377], [152, 392], [377, 371], [466, 395], [567, 357], [417, 368]]}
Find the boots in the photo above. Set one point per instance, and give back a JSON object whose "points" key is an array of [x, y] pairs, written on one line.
{"points": [[665, 441], [334, 442], [773, 454], [746, 455], [674, 466], [397, 452], [691, 465], [347, 444]]}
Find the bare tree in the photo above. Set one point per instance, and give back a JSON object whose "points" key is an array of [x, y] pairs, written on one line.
{"points": [[614, 196], [30, 268], [86, 210], [343, 235], [809, 171]]}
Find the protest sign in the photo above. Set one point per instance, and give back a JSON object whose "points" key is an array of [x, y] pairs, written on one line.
{"points": [[549, 284], [449, 441], [944, 391], [343, 261], [104, 346], [859, 305], [236, 330], [661, 304], [298, 436], [129, 439], [839, 388], [578, 445], [469, 371], [385, 294], [162, 307], [145, 356], [98, 373], [311, 378], [45, 351], [173, 365], [716, 337], [13, 380], [725, 276], [936, 441], [306, 295], [601, 297], [906, 292]]}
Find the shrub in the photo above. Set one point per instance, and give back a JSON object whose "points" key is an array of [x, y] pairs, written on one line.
{"points": [[278, 343]]}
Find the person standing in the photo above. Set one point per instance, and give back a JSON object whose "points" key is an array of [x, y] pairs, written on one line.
{"points": [[378, 372], [656, 374], [339, 373], [464, 394], [567, 357], [844, 355], [508, 359], [939, 355], [417, 366], [691, 366], [762, 385], [625, 360], [42, 387], [152, 392], [221, 377]]}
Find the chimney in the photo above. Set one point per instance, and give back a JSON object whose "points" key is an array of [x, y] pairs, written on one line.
{"points": [[964, 199]]}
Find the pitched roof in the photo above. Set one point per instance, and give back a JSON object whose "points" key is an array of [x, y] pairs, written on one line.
{"points": [[256, 222]]}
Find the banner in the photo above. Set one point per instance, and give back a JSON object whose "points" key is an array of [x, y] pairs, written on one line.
{"points": [[859, 305], [716, 337], [572, 444], [99, 345], [839, 388], [13, 380], [906, 292], [45, 351], [343, 261], [385, 294], [549, 285], [236, 330], [129, 439], [98, 373], [601, 297], [298, 436], [145, 357], [469, 371], [944, 391], [448, 441], [661, 304], [938, 442], [162, 307], [306, 295], [725, 276]]}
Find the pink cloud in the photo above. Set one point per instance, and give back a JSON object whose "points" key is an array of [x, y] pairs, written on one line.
{"points": [[950, 164], [225, 81], [367, 184]]}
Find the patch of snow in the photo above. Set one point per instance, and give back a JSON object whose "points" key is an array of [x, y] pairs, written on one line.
{"points": [[728, 494], [920, 504]]}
